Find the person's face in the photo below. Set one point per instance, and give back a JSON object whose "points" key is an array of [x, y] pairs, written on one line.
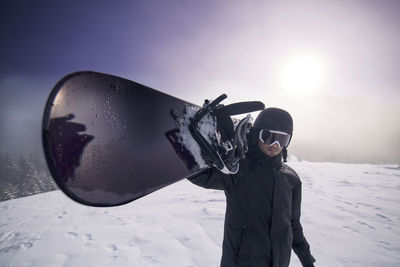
{"points": [[270, 151]]}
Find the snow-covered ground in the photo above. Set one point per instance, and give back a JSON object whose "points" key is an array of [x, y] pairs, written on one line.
{"points": [[351, 217]]}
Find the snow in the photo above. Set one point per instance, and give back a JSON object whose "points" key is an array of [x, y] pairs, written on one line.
{"points": [[206, 126], [350, 216]]}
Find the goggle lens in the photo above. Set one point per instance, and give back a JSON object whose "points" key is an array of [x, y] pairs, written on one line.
{"points": [[270, 137]]}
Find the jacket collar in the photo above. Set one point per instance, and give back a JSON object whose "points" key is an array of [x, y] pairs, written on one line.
{"points": [[255, 154]]}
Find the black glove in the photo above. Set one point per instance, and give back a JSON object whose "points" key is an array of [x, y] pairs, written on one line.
{"points": [[309, 265]]}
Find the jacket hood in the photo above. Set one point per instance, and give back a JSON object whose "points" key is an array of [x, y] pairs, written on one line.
{"points": [[256, 154]]}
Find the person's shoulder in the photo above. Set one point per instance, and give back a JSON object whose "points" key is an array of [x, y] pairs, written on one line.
{"points": [[289, 170], [290, 173]]}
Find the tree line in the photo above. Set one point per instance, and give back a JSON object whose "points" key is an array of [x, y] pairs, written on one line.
{"points": [[24, 175]]}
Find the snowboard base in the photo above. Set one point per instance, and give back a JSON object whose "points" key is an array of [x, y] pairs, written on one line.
{"points": [[105, 139]]}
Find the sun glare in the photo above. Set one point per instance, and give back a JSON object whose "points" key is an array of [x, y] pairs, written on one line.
{"points": [[303, 74]]}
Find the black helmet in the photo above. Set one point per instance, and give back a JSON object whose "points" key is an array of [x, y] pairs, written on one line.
{"points": [[274, 119]]}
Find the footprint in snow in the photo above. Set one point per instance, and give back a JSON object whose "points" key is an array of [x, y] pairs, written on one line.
{"points": [[8, 236], [383, 217], [351, 229], [350, 204], [111, 248], [17, 246], [150, 260], [384, 242], [366, 224], [139, 241], [72, 235], [24, 242], [114, 258], [61, 216], [87, 237]]}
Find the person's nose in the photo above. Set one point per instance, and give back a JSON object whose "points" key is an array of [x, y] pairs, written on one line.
{"points": [[275, 146]]}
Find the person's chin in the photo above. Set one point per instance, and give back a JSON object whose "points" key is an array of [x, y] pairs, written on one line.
{"points": [[272, 153]]}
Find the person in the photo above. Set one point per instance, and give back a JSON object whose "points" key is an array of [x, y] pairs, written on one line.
{"points": [[262, 220]]}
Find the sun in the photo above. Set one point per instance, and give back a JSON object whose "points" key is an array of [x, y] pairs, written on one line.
{"points": [[303, 74]]}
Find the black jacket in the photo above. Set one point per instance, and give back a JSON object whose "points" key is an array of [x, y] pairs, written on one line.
{"points": [[262, 220]]}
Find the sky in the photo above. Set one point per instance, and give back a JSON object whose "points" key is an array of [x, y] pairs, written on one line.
{"points": [[334, 65]]}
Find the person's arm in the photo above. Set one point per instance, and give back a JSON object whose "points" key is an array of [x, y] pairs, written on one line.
{"points": [[213, 179], [300, 244]]}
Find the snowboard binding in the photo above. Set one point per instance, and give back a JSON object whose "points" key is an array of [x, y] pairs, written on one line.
{"points": [[222, 140]]}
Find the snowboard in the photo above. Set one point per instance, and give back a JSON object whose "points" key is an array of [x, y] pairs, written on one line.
{"points": [[107, 140]]}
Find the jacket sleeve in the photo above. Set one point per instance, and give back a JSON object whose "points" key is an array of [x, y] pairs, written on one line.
{"points": [[300, 244], [213, 179]]}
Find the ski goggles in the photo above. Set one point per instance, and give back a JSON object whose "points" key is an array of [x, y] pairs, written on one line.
{"points": [[271, 137]]}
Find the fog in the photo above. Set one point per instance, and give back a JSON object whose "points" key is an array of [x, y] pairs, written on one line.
{"points": [[22, 105], [352, 114], [345, 107]]}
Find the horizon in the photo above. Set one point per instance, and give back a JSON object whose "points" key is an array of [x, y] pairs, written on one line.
{"points": [[332, 65]]}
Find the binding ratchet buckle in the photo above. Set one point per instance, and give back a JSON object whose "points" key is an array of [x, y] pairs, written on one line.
{"points": [[230, 143]]}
